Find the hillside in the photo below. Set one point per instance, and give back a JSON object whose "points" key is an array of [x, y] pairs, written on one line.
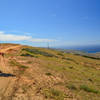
{"points": [[30, 73]]}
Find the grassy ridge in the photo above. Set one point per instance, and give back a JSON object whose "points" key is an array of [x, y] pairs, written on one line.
{"points": [[67, 75]]}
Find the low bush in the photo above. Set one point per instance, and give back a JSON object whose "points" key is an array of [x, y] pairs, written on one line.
{"points": [[54, 94], [60, 54], [71, 87], [88, 89], [28, 55], [48, 74], [91, 57], [15, 63], [35, 51]]}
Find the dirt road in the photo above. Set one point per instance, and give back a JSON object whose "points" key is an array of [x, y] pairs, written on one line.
{"points": [[12, 47], [7, 80]]}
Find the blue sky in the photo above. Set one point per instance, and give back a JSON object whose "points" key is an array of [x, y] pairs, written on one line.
{"points": [[59, 22]]}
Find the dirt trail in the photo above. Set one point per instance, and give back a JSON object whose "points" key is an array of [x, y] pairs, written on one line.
{"points": [[3, 66], [12, 47], [6, 78]]}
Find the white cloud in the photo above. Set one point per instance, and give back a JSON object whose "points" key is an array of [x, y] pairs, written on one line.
{"points": [[41, 40], [13, 37], [22, 32]]}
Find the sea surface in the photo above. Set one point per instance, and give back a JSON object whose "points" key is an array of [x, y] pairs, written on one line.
{"points": [[88, 49]]}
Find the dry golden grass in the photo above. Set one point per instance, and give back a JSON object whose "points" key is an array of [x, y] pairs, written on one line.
{"points": [[52, 75]]}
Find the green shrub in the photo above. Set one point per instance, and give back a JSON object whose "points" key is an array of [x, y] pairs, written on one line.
{"points": [[71, 87], [60, 54], [69, 59], [35, 51], [54, 94], [88, 89], [21, 68], [63, 58], [48, 74], [15, 63], [28, 55], [86, 56], [71, 67]]}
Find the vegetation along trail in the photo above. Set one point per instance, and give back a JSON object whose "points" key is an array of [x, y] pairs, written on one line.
{"points": [[31, 73]]}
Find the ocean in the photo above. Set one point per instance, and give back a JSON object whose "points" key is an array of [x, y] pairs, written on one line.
{"points": [[88, 49]]}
